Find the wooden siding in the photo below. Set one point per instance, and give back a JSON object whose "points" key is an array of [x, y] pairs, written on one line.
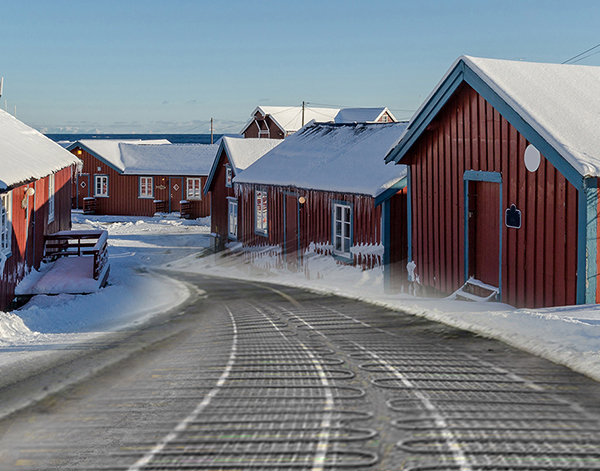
{"points": [[123, 191], [398, 248], [219, 222], [315, 221], [30, 224], [267, 122], [539, 260]]}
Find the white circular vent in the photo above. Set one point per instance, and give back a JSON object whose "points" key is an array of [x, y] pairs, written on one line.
{"points": [[532, 158]]}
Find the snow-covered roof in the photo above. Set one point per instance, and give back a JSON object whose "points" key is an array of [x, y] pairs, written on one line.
{"points": [[26, 154], [241, 152], [151, 157], [168, 159], [244, 152], [561, 103], [361, 115], [346, 158], [289, 118]]}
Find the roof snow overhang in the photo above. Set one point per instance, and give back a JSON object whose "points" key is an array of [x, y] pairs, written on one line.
{"points": [[462, 73], [391, 191], [90, 151]]}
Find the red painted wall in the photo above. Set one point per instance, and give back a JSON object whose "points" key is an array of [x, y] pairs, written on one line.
{"points": [[315, 219], [219, 203], [539, 260], [123, 191], [265, 123], [30, 224]]}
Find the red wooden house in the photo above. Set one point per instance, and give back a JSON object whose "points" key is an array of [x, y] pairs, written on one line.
{"points": [[234, 155], [35, 193], [320, 191], [141, 178], [278, 122], [504, 160]]}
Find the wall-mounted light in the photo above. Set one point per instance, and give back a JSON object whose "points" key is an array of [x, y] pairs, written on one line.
{"points": [[302, 200], [30, 191], [79, 152]]}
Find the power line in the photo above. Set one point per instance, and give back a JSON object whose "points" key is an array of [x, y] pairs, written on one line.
{"points": [[581, 54]]}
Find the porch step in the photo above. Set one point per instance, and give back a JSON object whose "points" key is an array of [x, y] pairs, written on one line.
{"points": [[475, 290]]}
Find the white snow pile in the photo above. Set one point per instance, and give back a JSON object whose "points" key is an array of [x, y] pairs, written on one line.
{"points": [[567, 335]]}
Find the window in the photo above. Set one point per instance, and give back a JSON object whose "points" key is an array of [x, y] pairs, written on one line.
{"points": [[232, 224], [51, 198], [5, 224], [261, 212], [194, 189], [146, 187], [101, 185], [228, 176], [342, 229]]}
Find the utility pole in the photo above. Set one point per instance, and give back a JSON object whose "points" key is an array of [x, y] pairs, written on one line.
{"points": [[211, 130], [303, 104]]}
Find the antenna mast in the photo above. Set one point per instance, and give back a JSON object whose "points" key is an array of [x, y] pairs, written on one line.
{"points": [[1, 84], [211, 130]]}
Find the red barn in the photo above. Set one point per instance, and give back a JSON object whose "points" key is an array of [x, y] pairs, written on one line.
{"points": [[35, 193], [320, 191], [141, 178], [504, 160], [234, 155]]}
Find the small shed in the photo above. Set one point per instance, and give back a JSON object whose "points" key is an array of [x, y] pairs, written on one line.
{"points": [[35, 199], [234, 156], [504, 160], [141, 178], [320, 191]]}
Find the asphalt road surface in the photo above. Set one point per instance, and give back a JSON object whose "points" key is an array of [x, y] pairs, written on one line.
{"points": [[254, 376]]}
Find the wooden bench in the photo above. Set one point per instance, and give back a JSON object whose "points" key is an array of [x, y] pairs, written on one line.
{"points": [[92, 243]]}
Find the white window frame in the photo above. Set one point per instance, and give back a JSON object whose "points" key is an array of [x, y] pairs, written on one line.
{"points": [[146, 187], [261, 211], [342, 229], [232, 218], [228, 176], [6, 224], [193, 188], [51, 193], [99, 179]]}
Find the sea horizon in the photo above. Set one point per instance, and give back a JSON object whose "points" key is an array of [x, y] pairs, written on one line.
{"points": [[171, 137]]}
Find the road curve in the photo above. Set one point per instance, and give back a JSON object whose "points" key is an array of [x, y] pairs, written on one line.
{"points": [[256, 376]]}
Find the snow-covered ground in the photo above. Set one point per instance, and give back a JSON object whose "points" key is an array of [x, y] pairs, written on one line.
{"points": [[566, 335]]}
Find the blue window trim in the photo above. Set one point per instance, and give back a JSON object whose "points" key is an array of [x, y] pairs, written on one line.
{"points": [[342, 258], [229, 200], [479, 176], [107, 195], [589, 226], [140, 187], [260, 232]]}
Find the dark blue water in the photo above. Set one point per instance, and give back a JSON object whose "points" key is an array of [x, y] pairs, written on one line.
{"points": [[173, 138]]}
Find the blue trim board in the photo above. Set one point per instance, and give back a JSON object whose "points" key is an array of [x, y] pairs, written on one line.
{"points": [[428, 113], [493, 177], [391, 191], [214, 167], [409, 218], [587, 244]]}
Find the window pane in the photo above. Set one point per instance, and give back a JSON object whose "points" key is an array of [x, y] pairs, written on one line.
{"points": [[338, 243], [347, 245]]}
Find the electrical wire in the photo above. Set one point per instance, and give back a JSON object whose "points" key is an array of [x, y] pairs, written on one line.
{"points": [[581, 54]]}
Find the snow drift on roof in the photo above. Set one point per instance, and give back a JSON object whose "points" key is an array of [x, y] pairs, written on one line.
{"points": [[244, 152], [560, 102], [167, 159], [289, 118], [109, 151], [332, 157], [26, 154]]}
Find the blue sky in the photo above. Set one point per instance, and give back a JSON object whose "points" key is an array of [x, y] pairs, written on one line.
{"points": [[169, 66]]}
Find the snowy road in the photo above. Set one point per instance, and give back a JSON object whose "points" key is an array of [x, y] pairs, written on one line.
{"points": [[256, 376]]}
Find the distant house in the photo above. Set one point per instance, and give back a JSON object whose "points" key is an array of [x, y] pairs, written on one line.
{"points": [[504, 166], [35, 194], [141, 178], [234, 155], [319, 191], [278, 122]]}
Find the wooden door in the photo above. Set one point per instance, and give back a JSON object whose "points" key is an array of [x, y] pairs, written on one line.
{"points": [[484, 232], [83, 188], [291, 231], [176, 192]]}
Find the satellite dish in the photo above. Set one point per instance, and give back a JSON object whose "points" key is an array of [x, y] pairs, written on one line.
{"points": [[532, 158]]}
